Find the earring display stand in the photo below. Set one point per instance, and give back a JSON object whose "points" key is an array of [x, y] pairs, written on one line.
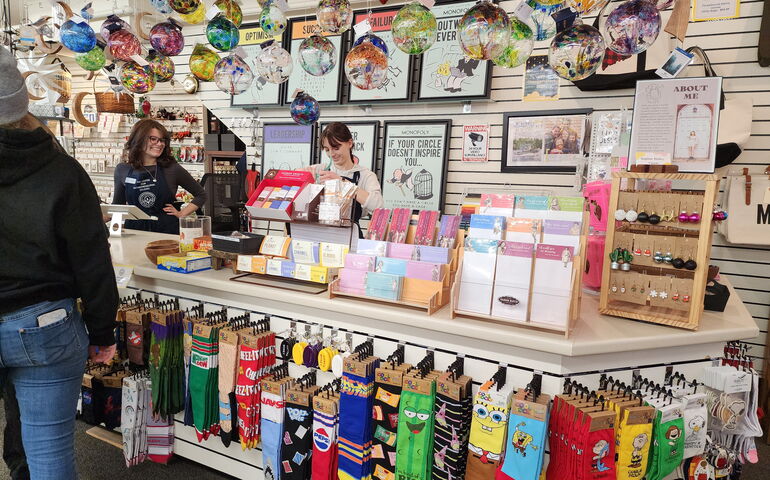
{"points": [[700, 238]]}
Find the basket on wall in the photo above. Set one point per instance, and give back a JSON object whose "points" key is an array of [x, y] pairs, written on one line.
{"points": [[114, 102]]}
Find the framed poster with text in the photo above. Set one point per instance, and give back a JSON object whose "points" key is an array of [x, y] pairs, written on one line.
{"points": [[414, 164], [261, 92], [287, 146], [397, 87], [326, 88], [446, 73], [366, 136]]}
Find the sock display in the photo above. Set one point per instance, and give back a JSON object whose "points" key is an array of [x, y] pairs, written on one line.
{"points": [[160, 437], [166, 361], [668, 442], [256, 356], [414, 451], [452, 421], [525, 446], [187, 342], [135, 417], [487, 434], [355, 435], [387, 393], [204, 379], [325, 428], [228, 361], [297, 447], [271, 427], [633, 438], [138, 336], [695, 415]]}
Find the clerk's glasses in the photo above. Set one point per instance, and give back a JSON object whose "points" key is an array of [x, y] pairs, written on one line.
{"points": [[156, 140]]}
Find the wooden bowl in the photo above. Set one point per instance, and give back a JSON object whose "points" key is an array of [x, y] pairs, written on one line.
{"points": [[160, 247]]}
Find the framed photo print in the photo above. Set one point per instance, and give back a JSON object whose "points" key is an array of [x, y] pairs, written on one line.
{"points": [[260, 92], [414, 164], [324, 88], [547, 141], [287, 146], [445, 72], [397, 87], [366, 137]]}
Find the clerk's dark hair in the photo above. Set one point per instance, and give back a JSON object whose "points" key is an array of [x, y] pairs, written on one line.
{"points": [[336, 133], [137, 140]]}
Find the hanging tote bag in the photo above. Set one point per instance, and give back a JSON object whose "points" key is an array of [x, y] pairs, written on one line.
{"points": [[748, 205]]}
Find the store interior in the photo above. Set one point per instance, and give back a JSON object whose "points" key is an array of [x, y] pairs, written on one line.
{"points": [[427, 239]]}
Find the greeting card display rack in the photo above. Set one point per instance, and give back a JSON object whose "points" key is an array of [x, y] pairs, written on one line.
{"points": [[665, 294]]}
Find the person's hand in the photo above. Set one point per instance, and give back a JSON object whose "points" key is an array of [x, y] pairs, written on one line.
{"points": [[101, 354], [329, 175], [171, 210]]}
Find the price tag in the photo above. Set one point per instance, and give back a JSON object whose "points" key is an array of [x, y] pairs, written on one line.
{"points": [[241, 52], [123, 274], [653, 158], [361, 28], [139, 59], [282, 5], [428, 3], [523, 11], [212, 12]]}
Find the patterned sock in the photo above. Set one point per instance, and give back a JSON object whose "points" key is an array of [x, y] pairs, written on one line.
{"points": [[228, 358], [160, 438], [384, 425], [414, 459], [187, 341], [324, 444], [271, 426], [452, 423], [128, 418], [297, 442], [487, 434], [355, 440]]}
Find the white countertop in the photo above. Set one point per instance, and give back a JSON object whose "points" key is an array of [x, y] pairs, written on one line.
{"points": [[593, 333]]}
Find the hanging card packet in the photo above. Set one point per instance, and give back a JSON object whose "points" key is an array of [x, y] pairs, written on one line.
{"points": [[525, 448], [695, 423]]}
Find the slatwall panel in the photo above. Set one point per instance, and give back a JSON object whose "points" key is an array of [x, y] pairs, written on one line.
{"points": [[731, 46]]}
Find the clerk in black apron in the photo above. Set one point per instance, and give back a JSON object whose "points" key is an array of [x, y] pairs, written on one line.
{"points": [[151, 194]]}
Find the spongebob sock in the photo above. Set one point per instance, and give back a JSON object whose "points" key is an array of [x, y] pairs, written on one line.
{"points": [[384, 424], [487, 434], [633, 442], [414, 454], [526, 441]]}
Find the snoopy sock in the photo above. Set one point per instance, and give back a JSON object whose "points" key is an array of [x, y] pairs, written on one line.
{"points": [[668, 447], [633, 442]]}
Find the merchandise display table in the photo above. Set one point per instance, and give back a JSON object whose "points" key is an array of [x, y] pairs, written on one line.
{"points": [[598, 344]]}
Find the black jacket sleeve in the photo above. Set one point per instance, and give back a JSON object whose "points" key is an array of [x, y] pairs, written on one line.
{"points": [[86, 246], [186, 181], [119, 188]]}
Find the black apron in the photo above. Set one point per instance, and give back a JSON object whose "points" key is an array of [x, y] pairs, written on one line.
{"points": [[151, 195], [358, 210]]}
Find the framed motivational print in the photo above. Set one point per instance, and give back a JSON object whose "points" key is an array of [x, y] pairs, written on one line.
{"points": [[445, 72], [366, 136], [260, 92], [324, 88], [414, 164], [287, 146], [397, 87]]}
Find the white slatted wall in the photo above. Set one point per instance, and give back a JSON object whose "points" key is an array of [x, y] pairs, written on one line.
{"points": [[731, 46]]}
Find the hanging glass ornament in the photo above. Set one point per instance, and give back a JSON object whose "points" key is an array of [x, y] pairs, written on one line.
{"points": [[663, 4], [414, 28], [273, 63], [520, 46], [123, 44], [77, 36], [196, 17], [167, 38], [113, 23], [185, 7], [272, 19], [576, 52], [317, 55], [202, 62], [366, 66], [632, 27], [334, 16], [162, 66], [584, 7], [541, 21], [136, 78], [233, 75], [485, 31], [231, 10], [222, 33], [305, 109], [91, 60], [162, 6], [376, 41]]}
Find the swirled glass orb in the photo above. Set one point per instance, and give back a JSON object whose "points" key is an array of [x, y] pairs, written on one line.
{"points": [[185, 7], [196, 17], [520, 46], [484, 31], [317, 55], [167, 38], [576, 52], [222, 34], [233, 75], [136, 78], [113, 23], [274, 63], [272, 19], [584, 7], [161, 6], [202, 62], [305, 109], [414, 28], [77, 36], [334, 16], [124, 44], [632, 27], [376, 41], [366, 66], [541, 21], [231, 10], [162, 66], [91, 60]]}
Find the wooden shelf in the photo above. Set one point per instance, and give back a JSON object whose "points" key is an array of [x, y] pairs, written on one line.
{"points": [[431, 307], [705, 177]]}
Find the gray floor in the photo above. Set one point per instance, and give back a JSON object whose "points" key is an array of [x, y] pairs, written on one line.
{"points": [[98, 460]]}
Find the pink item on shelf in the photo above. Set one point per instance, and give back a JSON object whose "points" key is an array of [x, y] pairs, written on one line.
{"points": [[358, 261], [353, 281], [424, 271], [594, 261], [598, 195], [403, 251]]}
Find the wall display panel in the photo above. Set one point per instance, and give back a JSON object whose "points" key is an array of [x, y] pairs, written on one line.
{"points": [[287, 146], [325, 88], [260, 93], [366, 137]]}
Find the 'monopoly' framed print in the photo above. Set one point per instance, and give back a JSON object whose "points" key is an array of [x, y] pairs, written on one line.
{"points": [[366, 136], [260, 92], [324, 88], [414, 164]]}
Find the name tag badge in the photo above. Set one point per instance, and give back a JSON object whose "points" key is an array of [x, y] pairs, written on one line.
{"points": [[130, 180]]}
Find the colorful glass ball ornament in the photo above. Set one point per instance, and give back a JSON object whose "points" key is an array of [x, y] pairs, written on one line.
{"points": [[272, 19], [541, 21], [202, 62], [113, 23], [162, 66], [231, 10], [136, 78], [91, 60], [305, 109], [414, 28], [222, 33], [576, 52], [366, 66], [167, 38], [185, 7], [161, 6], [334, 16], [317, 55], [632, 27], [274, 63], [77, 36], [485, 31], [123, 44], [584, 7], [376, 41], [233, 75], [196, 17], [520, 46]]}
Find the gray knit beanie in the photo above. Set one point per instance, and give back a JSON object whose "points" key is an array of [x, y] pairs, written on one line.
{"points": [[14, 100]]}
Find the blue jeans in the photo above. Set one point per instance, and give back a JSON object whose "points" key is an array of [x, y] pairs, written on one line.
{"points": [[45, 365]]}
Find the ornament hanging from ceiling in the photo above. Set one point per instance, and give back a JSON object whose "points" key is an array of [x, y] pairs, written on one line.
{"points": [[414, 28], [541, 21], [584, 7], [374, 39], [91, 60], [222, 34], [190, 83], [113, 23], [520, 46], [272, 20], [484, 31], [317, 55], [202, 62], [196, 17], [305, 109], [136, 78], [161, 66], [366, 66], [185, 7], [167, 38], [273, 63], [632, 27], [77, 36], [576, 52], [161, 6], [123, 44], [39, 75], [231, 10], [233, 75], [334, 16]]}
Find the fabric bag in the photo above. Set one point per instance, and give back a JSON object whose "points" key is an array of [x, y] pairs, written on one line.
{"points": [[747, 200]]}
